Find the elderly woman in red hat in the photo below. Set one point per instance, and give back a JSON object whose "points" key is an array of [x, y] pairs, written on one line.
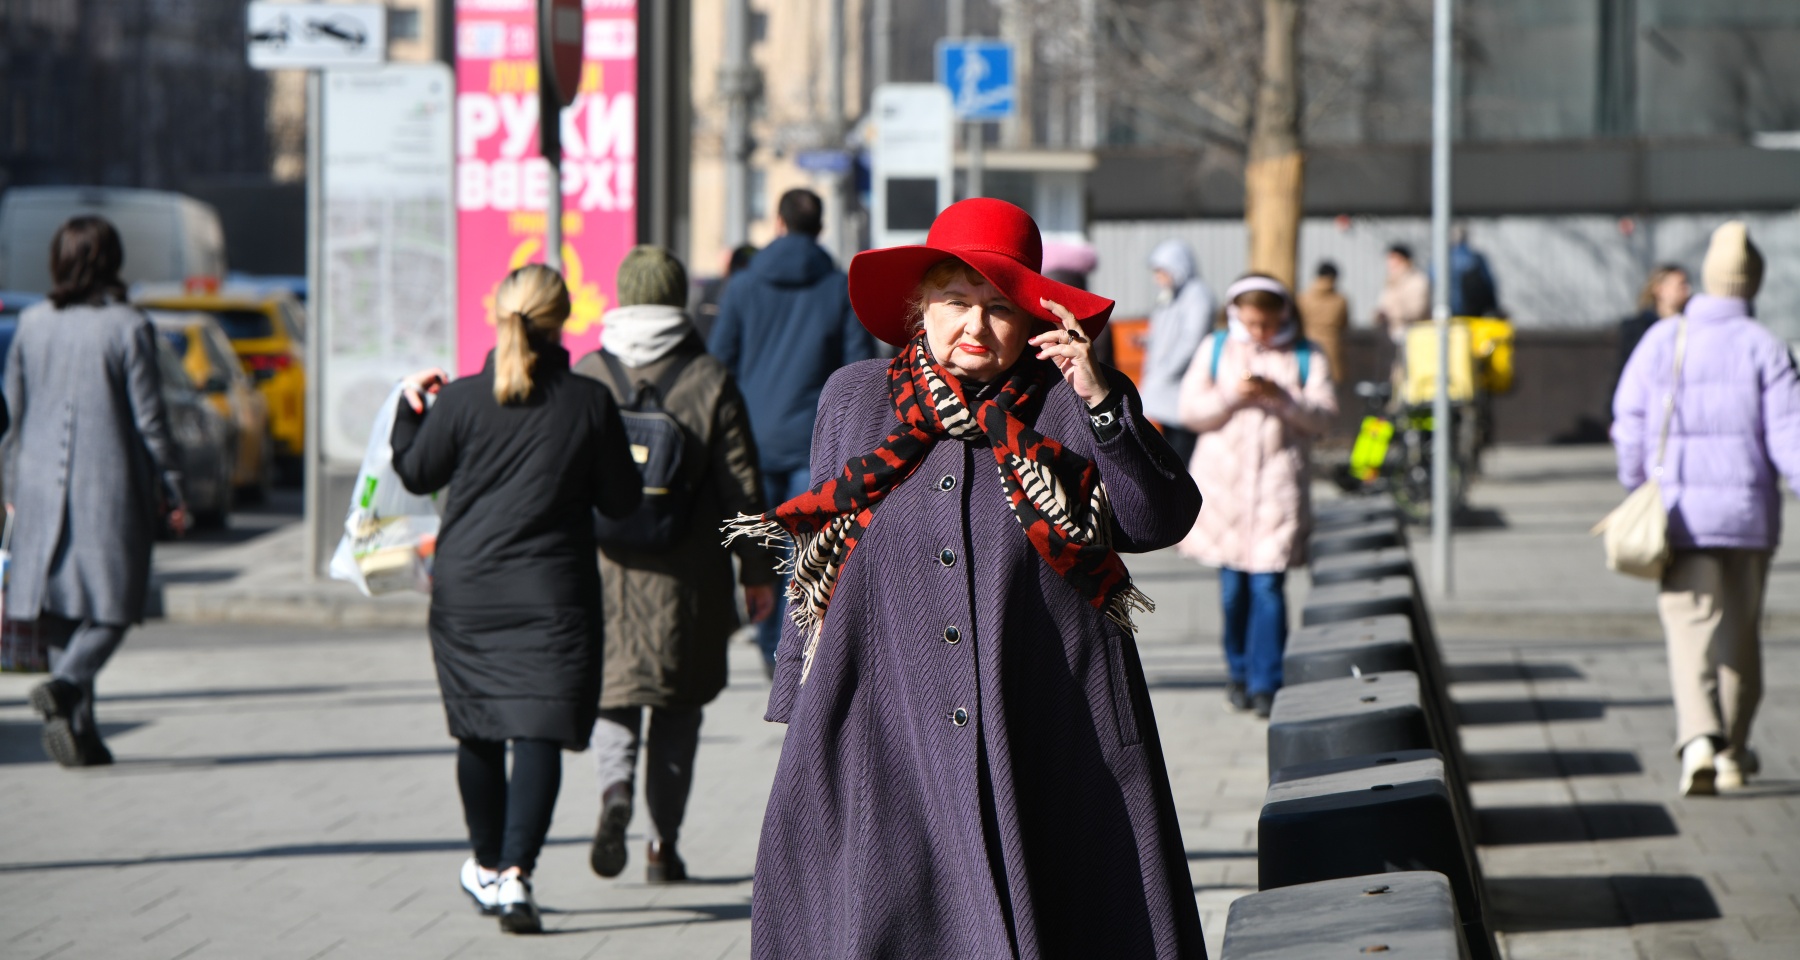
{"points": [[971, 766]]}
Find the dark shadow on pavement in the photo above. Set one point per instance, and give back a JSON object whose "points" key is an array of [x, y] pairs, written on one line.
{"points": [[322, 756], [703, 913], [1480, 518], [217, 693], [346, 849], [1528, 904], [1484, 712], [1580, 823], [1509, 671], [1184, 681], [1552, 764], [22, 741], [1221, 854]]}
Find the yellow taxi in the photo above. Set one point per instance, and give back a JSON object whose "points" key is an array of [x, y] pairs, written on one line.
{"points": [[211, 363], [267, 330]]}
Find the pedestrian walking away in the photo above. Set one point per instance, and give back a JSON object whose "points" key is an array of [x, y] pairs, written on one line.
{"points": [[1665, 294], [1258, 394], [1405, 295], [1473, 292], [92, 475], [971, 766], [665, 575], [1182, 316], [528, 452], [1325, 315], [785, 325], [1709, 405]]}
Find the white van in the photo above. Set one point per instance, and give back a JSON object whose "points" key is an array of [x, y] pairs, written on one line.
{"points": [[168, 237]]}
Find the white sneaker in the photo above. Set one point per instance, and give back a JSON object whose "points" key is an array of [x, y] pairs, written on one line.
{"points": [[1698, 773], [1730, 773], [518, 911], [482, 886]]}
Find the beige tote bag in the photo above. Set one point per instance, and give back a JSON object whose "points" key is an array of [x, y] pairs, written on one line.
{"points": [[1637, 531]]}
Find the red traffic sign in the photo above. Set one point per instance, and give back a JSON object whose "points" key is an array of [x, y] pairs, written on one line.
{"points": [[560, 30]]}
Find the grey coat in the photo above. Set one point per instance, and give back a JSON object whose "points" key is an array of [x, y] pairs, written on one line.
{"points": [[89, 455]]}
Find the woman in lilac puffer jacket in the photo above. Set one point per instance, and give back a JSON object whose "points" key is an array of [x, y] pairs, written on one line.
{"points": [[1736, 423]]}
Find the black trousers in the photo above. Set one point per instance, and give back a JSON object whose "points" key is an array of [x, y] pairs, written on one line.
{"points": [[508, 818]]}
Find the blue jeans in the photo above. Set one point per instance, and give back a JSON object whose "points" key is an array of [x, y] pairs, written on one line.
{"points": [[1255, 630], [780, 487]]}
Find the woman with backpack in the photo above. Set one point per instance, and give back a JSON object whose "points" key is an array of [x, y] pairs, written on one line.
{"points": [[1258, 394], [670, 604], [528, 452]]}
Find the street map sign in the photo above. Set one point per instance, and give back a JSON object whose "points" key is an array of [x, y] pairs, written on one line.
{"points": [[981, 76], [909, 161], [311, 36], [388, 303]]}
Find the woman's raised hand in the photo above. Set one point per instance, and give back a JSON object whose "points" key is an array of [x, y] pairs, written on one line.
{"points": [[1073, 353], [416, 386]]}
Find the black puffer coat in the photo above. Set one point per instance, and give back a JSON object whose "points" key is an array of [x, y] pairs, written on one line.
{"points": [[516, 624]]}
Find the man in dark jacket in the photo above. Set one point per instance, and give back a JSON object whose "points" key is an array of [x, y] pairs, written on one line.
{"points": [[784, 327]]}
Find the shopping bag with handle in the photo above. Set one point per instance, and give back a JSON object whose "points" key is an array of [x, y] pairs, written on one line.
{"points": [[21, 649], [390, 534]]}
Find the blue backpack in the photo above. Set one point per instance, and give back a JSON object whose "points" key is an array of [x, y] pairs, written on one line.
{"points": [[1302, 352]]}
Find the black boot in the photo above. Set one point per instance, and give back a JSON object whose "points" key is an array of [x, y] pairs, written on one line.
{"points": [[608, 855], [1236, 697], [662, 864], [57, 700]]}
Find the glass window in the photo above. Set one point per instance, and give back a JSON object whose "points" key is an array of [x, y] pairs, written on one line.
{"points": [[245, 324], [178, 341]]}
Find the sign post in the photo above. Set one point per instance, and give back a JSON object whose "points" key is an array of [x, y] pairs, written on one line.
{"points": [[314, 37], [911, 161], [560, 33], [981, 77]]}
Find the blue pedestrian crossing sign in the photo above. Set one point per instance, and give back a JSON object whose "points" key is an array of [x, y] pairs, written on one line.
{"points": [[981, 76]]}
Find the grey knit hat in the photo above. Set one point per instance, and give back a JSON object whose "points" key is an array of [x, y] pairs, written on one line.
{"points": [[1733, 266], [651, 274]]}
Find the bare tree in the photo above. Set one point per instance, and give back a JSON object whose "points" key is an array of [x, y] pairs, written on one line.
{"points": [[1275, 174]]}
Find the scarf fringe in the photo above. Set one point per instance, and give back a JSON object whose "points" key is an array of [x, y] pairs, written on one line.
{"points": [[770, 534], [1121, 605]]}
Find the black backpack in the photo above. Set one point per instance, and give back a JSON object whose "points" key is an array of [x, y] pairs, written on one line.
{"points": [[663, 449]]}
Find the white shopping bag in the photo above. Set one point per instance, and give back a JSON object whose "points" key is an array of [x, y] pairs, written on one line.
{"points": [[390, 535]]}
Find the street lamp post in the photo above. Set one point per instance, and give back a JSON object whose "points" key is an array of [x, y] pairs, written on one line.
{"points": [[1442, 426]]}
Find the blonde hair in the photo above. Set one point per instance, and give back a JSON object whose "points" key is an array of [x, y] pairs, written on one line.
{"points": [[530, 306], [941, 275]]}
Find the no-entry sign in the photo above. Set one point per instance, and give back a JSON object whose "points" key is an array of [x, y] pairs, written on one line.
{"points": [[563, 24]]}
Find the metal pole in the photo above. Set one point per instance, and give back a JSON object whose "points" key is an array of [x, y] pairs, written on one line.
{"points": [[553, 213], [1087, 134], [313, 467], [550, 139], [881, 54], [1442, 426], [835, 219], [953, 19], [736, 87], [977, 136]]}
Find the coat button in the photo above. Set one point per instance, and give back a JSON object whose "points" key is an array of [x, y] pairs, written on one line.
{"points": [[952, 635], [960, 717], [947, 557], [948, 483]]}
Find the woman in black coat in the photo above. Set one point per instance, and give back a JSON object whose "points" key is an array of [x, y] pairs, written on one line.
{"points": [[528, 452]]}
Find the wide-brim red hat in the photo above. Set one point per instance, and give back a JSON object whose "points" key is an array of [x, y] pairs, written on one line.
{"points": [[998, 239]]}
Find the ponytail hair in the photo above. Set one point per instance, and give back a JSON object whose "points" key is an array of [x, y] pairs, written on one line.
{"points": [[530, 306]]}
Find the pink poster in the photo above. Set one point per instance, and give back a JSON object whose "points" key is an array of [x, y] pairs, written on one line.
{"points": [[502, 182]]}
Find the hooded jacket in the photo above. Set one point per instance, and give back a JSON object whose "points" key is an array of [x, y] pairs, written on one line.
{"points": [[785, 325], [1177, 326], [1736, 422]]}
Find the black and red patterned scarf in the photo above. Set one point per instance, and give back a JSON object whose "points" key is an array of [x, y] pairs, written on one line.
{"points": [[1056, 494]]}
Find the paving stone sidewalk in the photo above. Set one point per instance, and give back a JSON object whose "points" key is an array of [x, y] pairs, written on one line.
{"points": [[288, 792]]}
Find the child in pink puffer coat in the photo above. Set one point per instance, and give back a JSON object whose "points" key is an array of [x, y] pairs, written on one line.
{"points": [[1257, 394]]}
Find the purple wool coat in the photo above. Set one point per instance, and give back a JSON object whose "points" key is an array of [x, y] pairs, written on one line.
{"points": [[1737, 422], [972, 769]]}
